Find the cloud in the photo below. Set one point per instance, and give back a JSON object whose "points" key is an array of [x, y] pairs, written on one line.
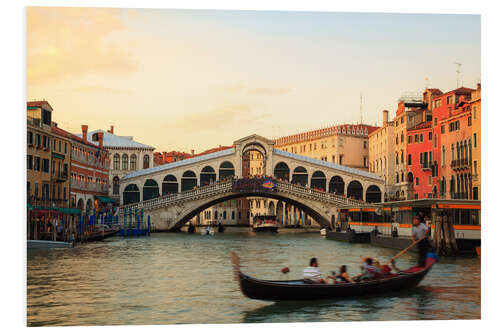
{"points": [[99, 89], [239, 88], [69, 42], [224, 117], [269, 91]]}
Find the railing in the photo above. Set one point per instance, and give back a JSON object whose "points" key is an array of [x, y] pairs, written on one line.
{"points": [[76, 184], [463, 163], [90, 161], [426, 166], [59, 176], [227, 186]]}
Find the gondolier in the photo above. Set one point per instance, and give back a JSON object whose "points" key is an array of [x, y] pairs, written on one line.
{"points": [[419, 231]]}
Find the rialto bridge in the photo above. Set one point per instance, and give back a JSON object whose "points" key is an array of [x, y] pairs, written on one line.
{"points": [[174, 193]]}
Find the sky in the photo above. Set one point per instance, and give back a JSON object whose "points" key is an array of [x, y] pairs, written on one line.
{"points": [[197, 79]]}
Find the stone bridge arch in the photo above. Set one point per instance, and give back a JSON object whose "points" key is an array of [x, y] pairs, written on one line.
{"points": [[175, 217]]}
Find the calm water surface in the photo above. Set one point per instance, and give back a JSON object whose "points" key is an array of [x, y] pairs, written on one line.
{"points": [[182, 278]]}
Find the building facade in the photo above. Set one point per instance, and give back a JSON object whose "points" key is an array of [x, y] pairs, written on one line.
{"points": [[48, 159], [125, 155], [420, 165], [343, 144], [382, 153], [476, 142]]}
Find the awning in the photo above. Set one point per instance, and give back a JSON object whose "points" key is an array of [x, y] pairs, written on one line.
{"points": [[105, 199]]}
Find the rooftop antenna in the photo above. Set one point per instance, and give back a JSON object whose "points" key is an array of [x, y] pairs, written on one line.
{"points": [[458, 74], [360, 108]]}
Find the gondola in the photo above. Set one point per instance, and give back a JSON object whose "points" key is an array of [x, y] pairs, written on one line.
{"points": [[298, 290]]}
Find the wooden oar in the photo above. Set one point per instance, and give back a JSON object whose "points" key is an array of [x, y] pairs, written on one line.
{"points": [[400, 253]]}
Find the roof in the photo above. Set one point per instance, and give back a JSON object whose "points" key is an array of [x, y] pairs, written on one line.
{"points": [[38, 104], [116, 141], [213, 150], [61, 132], [339, 167], [188, 161], [355, 129]]}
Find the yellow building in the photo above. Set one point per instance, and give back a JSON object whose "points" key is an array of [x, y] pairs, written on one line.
{"points": [[476, 142], [381, 151], [343, 144]]}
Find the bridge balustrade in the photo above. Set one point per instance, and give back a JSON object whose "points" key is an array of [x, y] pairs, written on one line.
{"points": [[226, 186]]}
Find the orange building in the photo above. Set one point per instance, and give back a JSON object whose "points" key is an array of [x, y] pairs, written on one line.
{"points": [[476, 142]]}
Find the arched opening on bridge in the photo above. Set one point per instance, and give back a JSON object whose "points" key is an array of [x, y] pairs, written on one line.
{"points": [[336, 185], [188, 181], [355, 190], [282, 171], [300, 176], [131, 194], [318, 181], [169, 185], [373, 194], [150, 190], [226, 170], [207, 176], [270, 208], [253, 162]]}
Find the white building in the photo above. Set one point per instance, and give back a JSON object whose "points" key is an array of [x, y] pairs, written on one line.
{"points": [[126, 155]]}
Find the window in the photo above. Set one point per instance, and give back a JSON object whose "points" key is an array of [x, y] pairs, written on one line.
{"points": [[124, 162], [145, 162], [416, 138], [457, 125], [45, 165], [54, 142], [475, 167], [421, 137], [429, 180], [65, 148], [475, 140], [133, 162], [409, 159], [435, 141], [397, 178], [364, 161], [475, 112], [435, 121], [232, 215], [430, 135], [38, 140], [340, 159], [397, 138], [59, 146], [442, 129], [365, 144], [409, 138], [469, 121], [30, 138], [37, 163], [416, 180], [116, 162], [443, 155], [29, 160], [402, 120], [397, 159], [402, 138], [45, 142], [402, 157]]}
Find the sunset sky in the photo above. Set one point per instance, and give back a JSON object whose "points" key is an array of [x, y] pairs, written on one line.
{"points": [[194, 79]]}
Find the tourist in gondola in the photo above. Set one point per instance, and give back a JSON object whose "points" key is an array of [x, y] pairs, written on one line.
{"points": [[343, 276], [369, 270], [312, 273], [420, 233]]}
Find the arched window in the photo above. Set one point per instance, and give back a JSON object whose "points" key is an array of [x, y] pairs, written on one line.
{"points": [[116, 185], [116, 162], [124, 162], [145, 162], [133, 162]]}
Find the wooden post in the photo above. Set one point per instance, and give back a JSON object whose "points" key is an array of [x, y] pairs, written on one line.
{"points": [[447, 244], [453, 240], [438, 234]]}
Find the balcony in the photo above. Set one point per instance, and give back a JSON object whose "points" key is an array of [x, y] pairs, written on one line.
{"points": [[460, 164], [84, 186], [426, 166], [59, 177]]}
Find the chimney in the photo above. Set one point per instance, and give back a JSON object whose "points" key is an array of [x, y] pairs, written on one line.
{"points": [[111, 129], [385, 117], [478, 86], [100, 135], [85, 128], [192, 151]]}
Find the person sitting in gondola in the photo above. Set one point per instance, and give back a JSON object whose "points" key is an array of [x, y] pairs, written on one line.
{"points": [[388, 270], [343, 276], [369, 270], [312, 273]]}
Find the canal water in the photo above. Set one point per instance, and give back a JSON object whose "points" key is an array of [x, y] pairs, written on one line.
{"points": [[181, 278]]}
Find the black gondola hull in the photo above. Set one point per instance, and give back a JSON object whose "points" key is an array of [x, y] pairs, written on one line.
{"points": [[299, 290]]}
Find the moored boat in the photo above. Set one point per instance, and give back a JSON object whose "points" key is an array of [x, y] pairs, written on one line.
{"points": [[297, 290], [265, 223], [322, 232]]}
